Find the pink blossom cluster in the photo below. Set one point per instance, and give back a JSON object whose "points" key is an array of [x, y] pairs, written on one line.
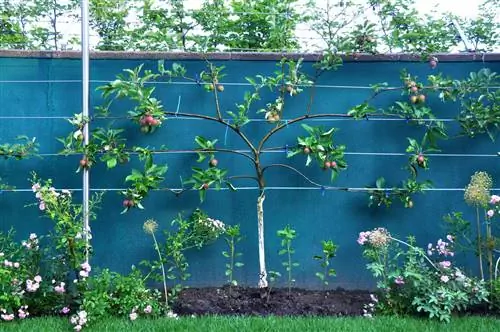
{"points": [[22, 313], [79, 320], [445, 264], [133, 314], [31, 243], [37, 189], [378, 237], [5, 316], [8, 263], [33, 285], [148, 309], [60, 288], [65, 310], [442, 247], [495, 201], [84, 273]]}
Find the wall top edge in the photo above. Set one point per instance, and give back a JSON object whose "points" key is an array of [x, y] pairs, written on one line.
{"points": [[242, 56]]}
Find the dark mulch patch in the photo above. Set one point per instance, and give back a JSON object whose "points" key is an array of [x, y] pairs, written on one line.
{"points": [[248, 301]]}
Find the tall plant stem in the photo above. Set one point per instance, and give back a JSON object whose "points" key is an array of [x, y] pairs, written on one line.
{"points": [[489, 251], [423, 254], [289, 268], [162, 270], [479, 244]]}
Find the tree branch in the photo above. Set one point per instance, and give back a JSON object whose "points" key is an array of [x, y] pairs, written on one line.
{"points": [[309, 180], [211, 118], [300, 118]]}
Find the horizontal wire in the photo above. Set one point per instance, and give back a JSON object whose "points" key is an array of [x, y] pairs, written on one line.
{"points": [[327, 86], [249, 120], [283, 151], [352, 189]]}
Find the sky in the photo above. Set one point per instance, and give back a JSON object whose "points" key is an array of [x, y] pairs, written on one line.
{"points": [[464, 8]]}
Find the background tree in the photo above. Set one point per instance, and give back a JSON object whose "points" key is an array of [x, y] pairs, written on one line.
{"points": [[108, 19], [52, 11], [11, 31]]}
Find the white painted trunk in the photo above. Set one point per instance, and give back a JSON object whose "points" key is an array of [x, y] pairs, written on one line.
{"points": [[262, 252]]}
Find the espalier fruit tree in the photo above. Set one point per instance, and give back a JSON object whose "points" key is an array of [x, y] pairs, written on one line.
{"points": [[479, 114]]}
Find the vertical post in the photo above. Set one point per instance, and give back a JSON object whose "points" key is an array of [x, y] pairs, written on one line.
{"points": [[85, 112]]}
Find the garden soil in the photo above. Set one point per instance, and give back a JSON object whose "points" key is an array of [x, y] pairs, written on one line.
{"points": [[248, 302]]}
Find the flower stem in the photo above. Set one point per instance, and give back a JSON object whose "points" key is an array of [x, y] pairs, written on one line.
{"points": [[162, 270], [479, 244], [423, 254]]}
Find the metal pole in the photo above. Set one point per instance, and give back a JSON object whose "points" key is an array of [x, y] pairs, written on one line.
{"points": [[85, 111]]}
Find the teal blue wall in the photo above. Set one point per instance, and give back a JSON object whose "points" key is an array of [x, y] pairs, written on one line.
{"points": [[45, 88]]}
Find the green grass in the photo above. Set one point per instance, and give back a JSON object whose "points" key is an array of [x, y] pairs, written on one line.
{"points": [[274, 324]]}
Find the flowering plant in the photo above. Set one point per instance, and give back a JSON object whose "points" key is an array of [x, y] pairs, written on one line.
{"points": [[197, 231], [69, 235], [107, 292], [412, 280]]}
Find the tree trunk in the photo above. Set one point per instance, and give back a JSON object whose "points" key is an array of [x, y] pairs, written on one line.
{"points": [[262, 253]]}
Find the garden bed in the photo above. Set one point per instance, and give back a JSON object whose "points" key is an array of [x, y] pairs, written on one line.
{"points": [[247, 301]]}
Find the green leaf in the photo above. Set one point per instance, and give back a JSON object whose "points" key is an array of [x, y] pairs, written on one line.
{"points": [[111, 162]]}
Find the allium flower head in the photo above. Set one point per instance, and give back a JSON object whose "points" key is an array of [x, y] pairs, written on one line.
{"points": [[379, 237], [150, 226], [494, 199], [477, 192]]}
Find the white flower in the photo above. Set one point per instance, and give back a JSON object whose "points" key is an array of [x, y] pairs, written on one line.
{"points": [[33, 236], [133, 316], [82, 314], [173, 315], [38, 279]]}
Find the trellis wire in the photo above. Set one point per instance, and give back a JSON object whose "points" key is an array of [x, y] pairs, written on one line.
{"points": [[284, 150], [322, 86], [351, 189]]}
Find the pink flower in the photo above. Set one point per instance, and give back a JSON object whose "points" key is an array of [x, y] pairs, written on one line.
{"points": [[86, 267], [133, 316], [399, 280], [7, 317], [148, 309], [363, 237], [41, 206], [78, 328], [445, 264], [35, 187], [60, 288], [22, 314], [38, 279], [65, 310], [449, 238], [445, 278], [495, 199], [490, 213], [84, 274]]}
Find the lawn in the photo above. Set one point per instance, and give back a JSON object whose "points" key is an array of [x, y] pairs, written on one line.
{"points": [[274, 324]]}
